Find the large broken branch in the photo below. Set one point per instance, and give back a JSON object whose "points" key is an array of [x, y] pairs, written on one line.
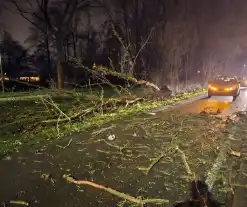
{"points": [[98, 108], [103, 73]]}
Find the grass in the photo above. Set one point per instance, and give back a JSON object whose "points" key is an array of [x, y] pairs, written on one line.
{"points": [[21, 111]]}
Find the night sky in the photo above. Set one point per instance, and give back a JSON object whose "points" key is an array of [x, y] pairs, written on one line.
{"points": [[15, 25]]}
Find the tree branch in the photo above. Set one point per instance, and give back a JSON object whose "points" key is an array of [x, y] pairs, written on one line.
{"points": [[116, 193], [24, 15]]}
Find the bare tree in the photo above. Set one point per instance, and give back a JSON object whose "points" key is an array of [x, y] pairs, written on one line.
{"points": [[54, 20]]}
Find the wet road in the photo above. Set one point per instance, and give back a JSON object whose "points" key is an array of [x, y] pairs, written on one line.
{"points": [[225, 105], [21, 176]]}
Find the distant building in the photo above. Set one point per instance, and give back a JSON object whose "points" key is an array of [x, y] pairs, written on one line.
{"points": [[29, 76]]}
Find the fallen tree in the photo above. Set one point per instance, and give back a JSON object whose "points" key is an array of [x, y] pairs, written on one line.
{"points": [[104, 76], [100, 107]]}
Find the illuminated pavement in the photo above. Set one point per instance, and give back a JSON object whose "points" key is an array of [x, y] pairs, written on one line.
{"points": [[224, 104]]}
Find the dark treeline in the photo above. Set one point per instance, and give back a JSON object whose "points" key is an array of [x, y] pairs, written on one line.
{"points": [[163, 41]]}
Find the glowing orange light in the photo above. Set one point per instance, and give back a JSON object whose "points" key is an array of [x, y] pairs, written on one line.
{"points": [[229, 89], [213, 88]]}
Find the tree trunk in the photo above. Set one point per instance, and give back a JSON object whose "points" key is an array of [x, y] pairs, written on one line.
{"points": [[74, 37], [1, 74], [67, 50], [186, 68], [47, 41], [60, 74], [137, 39], [48, 54], [125, 13]]}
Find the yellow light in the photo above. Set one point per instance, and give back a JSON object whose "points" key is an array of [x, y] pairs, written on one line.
{"points": [[229, 89], [34, 79], [213, 88]]}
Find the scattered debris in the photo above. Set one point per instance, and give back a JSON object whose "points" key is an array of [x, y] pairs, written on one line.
{"points": [[178, 142], [220, 160], [235, 153], [7, 158], [111, 137], [210, 111], [151, 113], [45, 176]]}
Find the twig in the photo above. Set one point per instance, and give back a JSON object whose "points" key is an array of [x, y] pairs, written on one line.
{"points": [[58, 130], [115, 192], [142, 47], [155, 161], [115, 146], [46, 106], [24, 203], [101, 99], [103, 130], [55, 106], [183, 157], [132, 101], [64, 147], [101, 77], [239, 185]]}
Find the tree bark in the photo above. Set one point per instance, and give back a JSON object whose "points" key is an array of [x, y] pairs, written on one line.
{"points": [[1, 74], [137, 39], [48, 54], [60, 74], [125, 13], [74, 37]]}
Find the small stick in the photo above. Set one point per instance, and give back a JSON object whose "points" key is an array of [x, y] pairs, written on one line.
{"points": [[24, 203], [58, 130], [116, 193], [183, 157], [155, 161], [103, 130], [64, 147]]}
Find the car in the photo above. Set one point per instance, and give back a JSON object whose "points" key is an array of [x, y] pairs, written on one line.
{"points": [[224, 86]]}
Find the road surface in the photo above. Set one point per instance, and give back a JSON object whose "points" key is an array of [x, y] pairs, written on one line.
{"points": [[26, 176], [225, 105]]}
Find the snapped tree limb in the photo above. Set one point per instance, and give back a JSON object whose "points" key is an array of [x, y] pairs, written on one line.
{"points": [[124, 196]]}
